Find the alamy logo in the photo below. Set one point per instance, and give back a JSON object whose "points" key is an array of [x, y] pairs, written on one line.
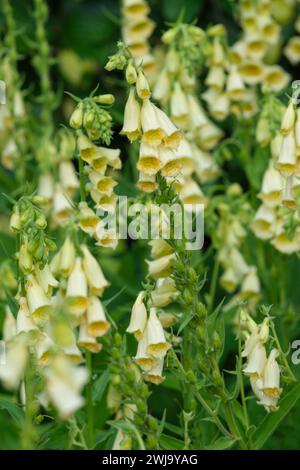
{"points": [[152, 222]]}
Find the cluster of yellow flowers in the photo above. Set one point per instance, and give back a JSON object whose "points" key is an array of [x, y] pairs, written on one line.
{"points": [[263, 370], [280, 187], [235, 71], [8, 115], [100, 163], [59, 311], [57, 187], [136, 29], [237, 273], [175, 89]]}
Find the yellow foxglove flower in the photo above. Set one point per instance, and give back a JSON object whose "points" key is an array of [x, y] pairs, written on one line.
{"points": [[87, 341], [149, 162], [292, 50], [191, 193], [288, 198], [38, 302], [257, 361], [250, 286], [132, 118], [229, 280], [61, 204], [107, 238], [164, 293], [135, 8], [157, 345], [153, 134], [88, 219], [11, 373], [66, 258], [112, 156], [161, 267], [103, 184], [252, 72], [162, 88], [25, 324], [288, 119], [170, 161], [209, 135], [46, 186], [95, 277], [142, 357], [46, 279], [138, 317], [179, 106], [97, 325], [68, 177], [235, 87], [147, 183], [216, 78], [196, 113], [155, 374], [272, 187], [270, 404], [172, 135], [160, 248], [77, 289], [9, 329], [283, 243], [185, 156], [142, 86], [263, 224], [43, 348], [219, 109], [276, 78], [287, 161], [271, 376], [256, 47], [64, 384]]}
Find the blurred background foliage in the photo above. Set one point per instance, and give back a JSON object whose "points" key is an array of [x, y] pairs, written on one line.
{"points": [[86, 32]]}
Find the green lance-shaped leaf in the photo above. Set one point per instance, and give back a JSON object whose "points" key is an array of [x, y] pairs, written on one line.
{"points": [[272, 421]]}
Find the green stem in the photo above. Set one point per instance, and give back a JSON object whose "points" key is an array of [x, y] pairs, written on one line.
{"points": [[89, 402], [282, 355], [213, 284], [28, 432], [232, 425]]}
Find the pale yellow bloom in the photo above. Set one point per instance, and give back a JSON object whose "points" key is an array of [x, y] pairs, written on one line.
{"points": [[38, 302], [97, 325], [138, 317], [77, 289], [157, 345], [132, 118], [95, 277]]}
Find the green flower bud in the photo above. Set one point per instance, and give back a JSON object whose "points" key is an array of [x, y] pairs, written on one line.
{"points": [[25, 259], [201, 333], [152, 423], [131, 75], [115, 353], [41, 222], [216, 341], [169, 36], [76, 118], [117, 339], [190, 376], [151, 441], [116, 379], [141, 406], [104, 99], [88, 119]]}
